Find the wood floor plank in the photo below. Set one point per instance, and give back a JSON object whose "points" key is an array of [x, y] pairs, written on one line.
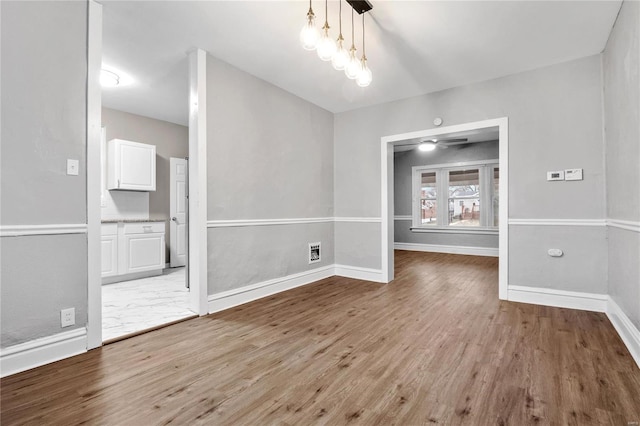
{"points": [[435, 346]]}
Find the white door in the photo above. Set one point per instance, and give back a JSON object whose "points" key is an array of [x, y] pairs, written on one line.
{"points": [[178, 211]]}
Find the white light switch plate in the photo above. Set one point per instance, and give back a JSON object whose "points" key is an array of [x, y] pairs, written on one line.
{"points": [[573, 174], [72, 167]]}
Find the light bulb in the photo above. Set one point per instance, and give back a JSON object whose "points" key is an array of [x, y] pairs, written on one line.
{"points": [[353, 66], [364, 74], [326, 45], [341, 57], [310, 35]]}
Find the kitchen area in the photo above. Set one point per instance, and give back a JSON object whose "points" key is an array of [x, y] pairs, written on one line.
{"points": [[143, 229]]}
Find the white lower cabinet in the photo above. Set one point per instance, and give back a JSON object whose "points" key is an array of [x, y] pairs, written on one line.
{"points": [[143, 247], [132, 248]]}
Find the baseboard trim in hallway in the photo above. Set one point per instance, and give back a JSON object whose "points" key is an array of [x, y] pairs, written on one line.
{"points": [[558, 298], [239, 296], [34, 353]]}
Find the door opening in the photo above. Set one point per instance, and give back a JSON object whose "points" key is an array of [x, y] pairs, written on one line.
{"points": [[387, 191]]}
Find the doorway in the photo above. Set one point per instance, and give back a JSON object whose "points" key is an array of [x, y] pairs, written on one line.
{"points": [[387, 191], [197, 296], [143, 241]]}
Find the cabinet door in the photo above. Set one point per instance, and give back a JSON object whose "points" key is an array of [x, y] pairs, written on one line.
{"points": [[109, 255], [132, 166], [144, 252]]}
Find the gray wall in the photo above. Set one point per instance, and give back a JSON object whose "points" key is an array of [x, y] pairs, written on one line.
{"points": [[402, 192], [171, 140], [43, 124], [555, 122], [269, 156], [622, 142]]}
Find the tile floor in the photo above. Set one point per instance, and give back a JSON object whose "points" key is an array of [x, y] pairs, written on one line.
{"points": [[137, 305]]}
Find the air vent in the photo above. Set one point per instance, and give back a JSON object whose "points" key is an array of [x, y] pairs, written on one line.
{"points": [[314, 253]]}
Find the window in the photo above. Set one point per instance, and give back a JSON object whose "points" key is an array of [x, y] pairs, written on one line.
{"points": [[456, 197], [428, 199]]}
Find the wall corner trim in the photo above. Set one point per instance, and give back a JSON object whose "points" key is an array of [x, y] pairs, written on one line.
{"points": [[439, 248], [628, 332], [45, 350], [558, 298]]}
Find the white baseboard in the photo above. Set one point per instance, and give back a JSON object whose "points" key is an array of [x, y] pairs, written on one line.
{"points": [[437, 248], [228, 299], [358, 273], [628, 332], [558, 298], [46, 350]]}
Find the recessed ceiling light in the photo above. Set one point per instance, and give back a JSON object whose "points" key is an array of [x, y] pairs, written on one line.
{"points": [[108, 78]]}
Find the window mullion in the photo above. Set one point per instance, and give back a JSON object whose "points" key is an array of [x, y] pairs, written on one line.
{"points": [[485, 191], [415, 196], [443, 198]]}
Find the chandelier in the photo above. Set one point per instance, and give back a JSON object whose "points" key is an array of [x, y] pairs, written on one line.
{"points": [[332, 50]]}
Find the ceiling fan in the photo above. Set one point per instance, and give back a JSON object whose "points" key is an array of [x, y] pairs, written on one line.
{"points": [[431, 144]]}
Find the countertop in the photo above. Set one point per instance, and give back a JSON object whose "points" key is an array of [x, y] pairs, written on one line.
{"points": [[132, 220]]}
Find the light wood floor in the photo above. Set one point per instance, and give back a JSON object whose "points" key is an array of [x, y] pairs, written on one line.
{"points": [[433, 347]]}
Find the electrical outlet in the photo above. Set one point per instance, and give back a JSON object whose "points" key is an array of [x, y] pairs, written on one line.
{"points": [[67, 317], [72, 167]]}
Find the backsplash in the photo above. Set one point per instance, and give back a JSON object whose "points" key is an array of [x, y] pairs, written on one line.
{"points": [[118, 205]]}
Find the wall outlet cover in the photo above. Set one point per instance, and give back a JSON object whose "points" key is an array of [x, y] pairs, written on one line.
{"points": [[67, 317], [72, 167], [555, 252]]}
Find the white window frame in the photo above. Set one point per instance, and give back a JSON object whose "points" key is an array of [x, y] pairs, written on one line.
{"points": [[485, 170]]}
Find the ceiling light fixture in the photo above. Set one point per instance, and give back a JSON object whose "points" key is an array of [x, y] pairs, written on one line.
{"points": [[353, 66], [332, 50], [427, 146], [309, 35], [341, 57], [108, 78], [326, 45]]}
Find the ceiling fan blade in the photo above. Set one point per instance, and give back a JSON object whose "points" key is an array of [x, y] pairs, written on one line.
{"points": [[449, 141], [454, 143]]}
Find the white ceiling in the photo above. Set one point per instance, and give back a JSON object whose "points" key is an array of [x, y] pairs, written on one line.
{"points": [[413, 47]]}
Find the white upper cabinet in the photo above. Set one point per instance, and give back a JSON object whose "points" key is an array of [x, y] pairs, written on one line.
{"points": [[131, 166]]}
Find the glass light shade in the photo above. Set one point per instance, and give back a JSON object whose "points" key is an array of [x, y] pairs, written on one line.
{"points": [[309, 36], [427, 146], [341, 57], [364, 74], [326, 46], [353, 66], [109, 79]]}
